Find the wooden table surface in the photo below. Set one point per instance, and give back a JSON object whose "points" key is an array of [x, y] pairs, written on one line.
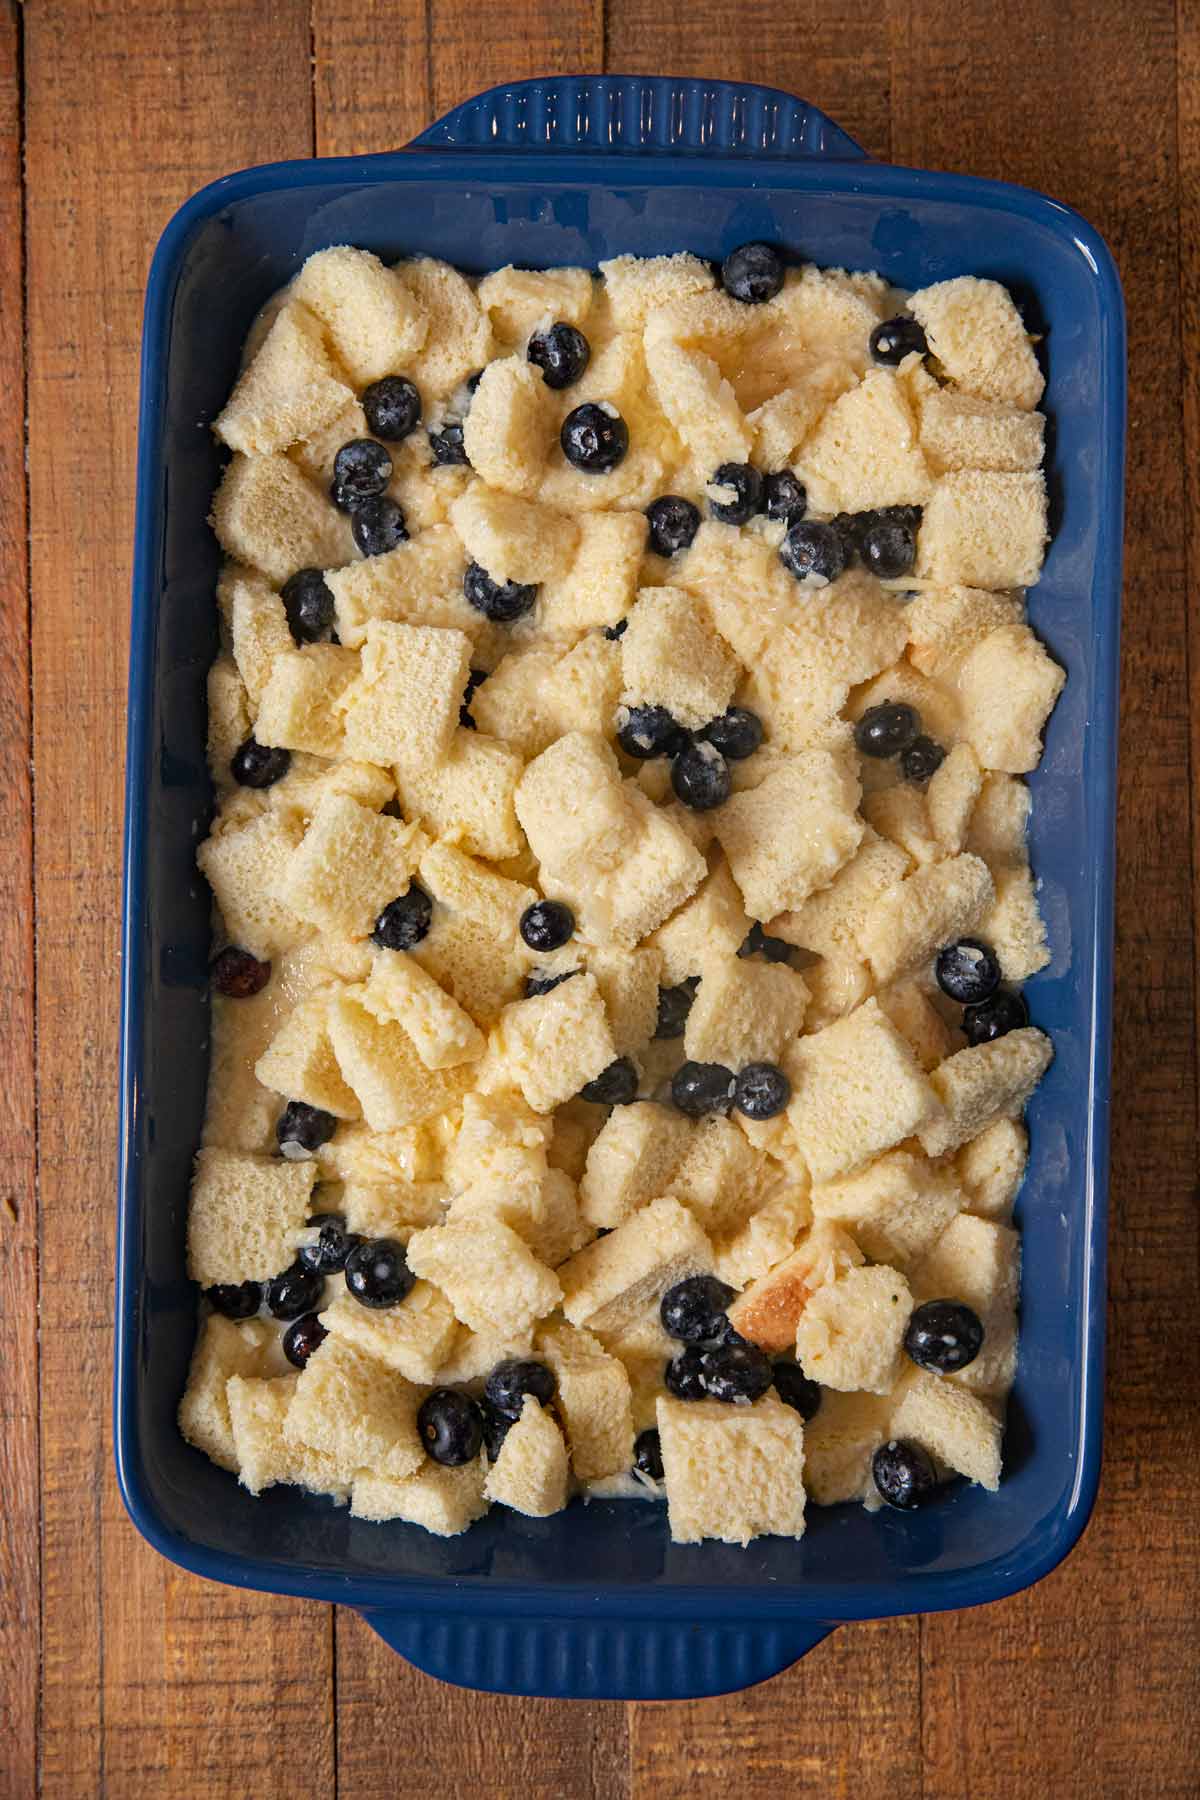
{"points": [[122, 1676]]}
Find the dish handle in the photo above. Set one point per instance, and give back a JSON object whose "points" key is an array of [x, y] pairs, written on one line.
{"points": [[643, 114], [597, 1659]]}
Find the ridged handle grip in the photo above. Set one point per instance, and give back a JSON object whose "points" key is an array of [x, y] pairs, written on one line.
{"points": [[641, 113]]}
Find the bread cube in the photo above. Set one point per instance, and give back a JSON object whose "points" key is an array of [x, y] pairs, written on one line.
{"points": [[511, 426], [356, 1411], [229, 719], [946, 623], [395, 1210], [766, 1237], [719, 1177], [699, 403], [916, 1018], [628, 983], [517, 301], [404, 706], [512, 538], [742, 582], [636, 286], [224, 1348], [258, 627], [631, 1161], [599, 586], [350, 864], [551, 1045], [540, 1205], [460, 337], [897, 1207], [300, 1064], [490, 1276], [865, 452], [575, 1127], [474, 1354], [900, 815], [837, 985], [413, 1338], [242, 864], [512, 703], [791, 835], [582, 689], [732, 1472], [1014, 927], [830, 921], [978, 1261], [465, 886], [444, 1500], [983, 1083], [984, 529], [991, 1168], [955, 1426], [606, 1285], [977, 335], [840, 1444], [593, 1401], [999, 821], [240, 1113], [959, 431], [530, 1473], [468, 797], [708, 928], [289, 390], [267, 514], [419, 582], [745, 1012], [374, 322], [833, 311], [500, 1142], [850, 1333], [1008, 685], [244, 1214], [768, 1311], [316, 452], [672, 657], [657, 875], [400, 990], [573, 807], [480, 971], [570, 492], [309, 780], [300, 704], [784, 420], [380, 1062], [257, 1410], [951, 795], [910, 921], [857, 1089]]}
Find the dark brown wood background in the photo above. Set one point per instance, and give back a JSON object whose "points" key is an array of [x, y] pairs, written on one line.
{"points": [[122, 1676]]}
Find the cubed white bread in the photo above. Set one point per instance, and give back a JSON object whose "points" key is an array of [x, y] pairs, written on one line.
{"points": [[258, 627], [350, 864], [403, 1155], [310, 778], [830, 922], [599, 586], [628, 982], [961, 431], [316, 452], [404, 705], [257, 1410], [445, 1501], [240, 1113], [499, 1140], [741, 580], [661, 870], [511, 425], [514, 539], [978, 1261], [857, 1089], [744, 1012], [551, 1045], [897, 1207], [419, 582], [395, 1210], [839, 1445], [833, 311], [463, 885], [699, 403], [582, 689], [356, 1411], [732, 1472], [636, 286], [983, 1083], [299, 1062], [991, 1168], [977, 335], [517, 301], [766, 1237], [865, 451], [951, 795], [576, 1125], [953, 1425], [460, 336], [636, 480], [224, 1348], [374, 321], [380, 1062], [490, 1276], [300, 704], [480, 970], [531, 1472], [244, 1215], [713, 322], [425, 490], [573, 808], [631, 1161], [413, 1338], [607, 1284], [900, 815], [708, 928], [720, 1178], [768, 1311], [593, 1400], [784, 420], [288, 391], [468, 797], [850, 1333], [941, 715], [946, 623], [474, 1354], [672, 657], [267, 514], [443, 1034], [543, 1211], [229, 718], [242, 864], [935, 905], [916, 1018], [1000, 821], [837, 985], [984, 529], [1014, 927], [512, 703], [791, 835], [1008, 685]]}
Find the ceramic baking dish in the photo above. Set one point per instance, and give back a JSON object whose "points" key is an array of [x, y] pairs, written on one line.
{"points": [[597, 1602]]}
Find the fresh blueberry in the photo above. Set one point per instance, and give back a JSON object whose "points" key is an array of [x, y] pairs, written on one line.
{"points": [[302, 1338], [361, 469], [694, 1309], [393, 408], [943, 1335], [897, 338], [334, 1244], [404, 921], [257, 765], [237, 974], [446, 445], [594, 437], [645, 731], [698, 1088], [683, 1376], [496, 1427], [614, 1086], [674, 522], [761, 1090], [298, 1290], [784, 496], [647, 1454], [888, 548], [995, 1018], [450, 1427], [922, 759], [617, 631], [796, 1390], [236, 1299], [308, 603], [814, 553], [378, 525], [547, 925], [562, 354], [545, 984], [753, 273], [674, 1005], [904, 1474], [968, 971], [736, 1373], [510, 1381], [502, 602], [700, 777], [746, 486], [736, 734], [887, 729], [301, 1129], [846, 526], [757, 943], [377, 1273]]}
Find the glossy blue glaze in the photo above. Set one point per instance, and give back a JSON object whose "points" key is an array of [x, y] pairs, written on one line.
{"points": [[598, 1602]]}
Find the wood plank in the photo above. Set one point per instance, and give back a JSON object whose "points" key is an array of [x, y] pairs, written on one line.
{"points": [[528, 37], [1086, 1683], [154, 1683]]}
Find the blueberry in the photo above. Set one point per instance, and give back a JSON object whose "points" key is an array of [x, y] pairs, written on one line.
{"points": [[562, 354], [614, 1086], [334, 1244], [404, 921], [594, 438], [757, 943], [393, 407], [645, 731], [698, 1088], [903, 1473], [237, 974], [257, 765], [922, 759], [302, 1338], [308, 603], [888, 548], [614, 632], [378, 525], [897, 338], [236, 1299], [784, 496], [736, 734], [968, 971], [502, 602], [735, 1373], [510, 1381], [447, 446], [761, 1090], [700, 777], [450, 1427], [683, 1377], [298, 1290], [753, 273], [545, 984], [887, 729], [496, 1427], [694, 1309], [301, 1129], [647, 1454], [796, 1390], [547, 924], [674, 1005], [995, 1018], [674, 522], [943, 1335], [814, 553], [377, 1273], [747, 486], [361, 469]]}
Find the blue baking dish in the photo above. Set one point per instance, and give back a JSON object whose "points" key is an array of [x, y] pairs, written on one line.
{"points": [[597, 1602]]}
